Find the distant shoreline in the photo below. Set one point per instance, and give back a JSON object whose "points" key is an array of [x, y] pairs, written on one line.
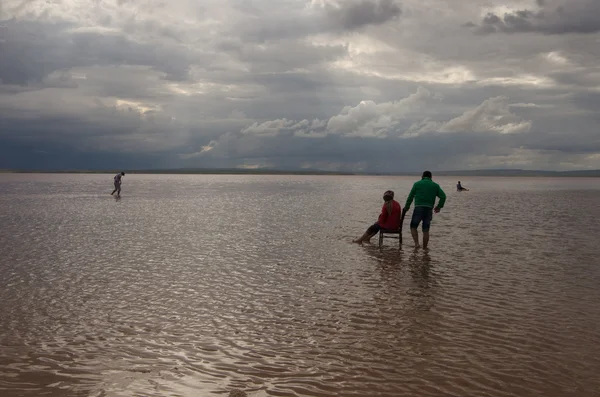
{"points": [[237, 171]]}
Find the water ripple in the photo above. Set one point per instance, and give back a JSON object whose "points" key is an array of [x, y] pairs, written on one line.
{"points": [[223, 283]]}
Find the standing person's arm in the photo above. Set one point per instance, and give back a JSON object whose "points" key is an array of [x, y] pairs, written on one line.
{"points": [[410, 198], [442, 200]]}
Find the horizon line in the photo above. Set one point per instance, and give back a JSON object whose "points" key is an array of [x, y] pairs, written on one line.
{"points": [[187, 170]]}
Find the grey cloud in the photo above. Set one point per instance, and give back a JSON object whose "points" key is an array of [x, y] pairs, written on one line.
{"points": [[439, 151], [351, 15], [29, 51], [21, 44], [92, 125], [553, 17], [578, 78], [261, 81], [345, 16], [493, 115], [557, 143], [590, 103], [401, 118], [560, 132], [298, 55], [32, 155], [93, 49], [343, 153]]}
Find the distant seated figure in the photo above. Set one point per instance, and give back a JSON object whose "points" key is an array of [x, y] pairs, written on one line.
{"points": [[389, 218], [459, 187]]}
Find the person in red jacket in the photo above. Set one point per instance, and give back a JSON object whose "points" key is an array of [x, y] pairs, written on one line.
{"points": [[391, 212]]}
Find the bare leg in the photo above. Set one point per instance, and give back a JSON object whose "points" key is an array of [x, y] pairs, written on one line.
{"points": [[362, 238], [415, 236], [425, 239], [366, 237]]}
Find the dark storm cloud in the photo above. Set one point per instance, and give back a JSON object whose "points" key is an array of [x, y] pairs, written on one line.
{"points": [[573, 16], [271, 24], [29, 51], [97, 127], [353, 154], [318, 84], [48, 156], [353, 15]]}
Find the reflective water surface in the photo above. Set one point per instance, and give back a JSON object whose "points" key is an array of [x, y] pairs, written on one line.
{"points": [[197, 285]]}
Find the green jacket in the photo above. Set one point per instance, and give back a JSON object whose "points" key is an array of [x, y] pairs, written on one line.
{"points": [[424, 193]]}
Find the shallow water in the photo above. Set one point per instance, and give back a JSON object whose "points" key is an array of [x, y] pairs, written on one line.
{"points": [[195, 285]]}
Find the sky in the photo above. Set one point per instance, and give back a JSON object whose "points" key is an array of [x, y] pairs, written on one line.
{"points": [[335, 85]]}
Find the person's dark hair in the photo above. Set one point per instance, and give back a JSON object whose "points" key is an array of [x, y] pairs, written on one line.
{"points": [[122, 173], [388, 196], [426, 174]]}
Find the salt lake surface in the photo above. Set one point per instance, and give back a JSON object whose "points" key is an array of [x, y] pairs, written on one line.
{"points": [[196, 285]]}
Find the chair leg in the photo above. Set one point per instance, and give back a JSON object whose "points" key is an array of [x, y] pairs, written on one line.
{"points": [[380, 238]]}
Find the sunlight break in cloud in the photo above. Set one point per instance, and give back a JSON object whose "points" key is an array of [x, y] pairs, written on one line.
{"points": [[369, 119]]}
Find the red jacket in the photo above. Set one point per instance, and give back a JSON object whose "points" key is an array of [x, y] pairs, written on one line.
{"points": [[390, 221]]}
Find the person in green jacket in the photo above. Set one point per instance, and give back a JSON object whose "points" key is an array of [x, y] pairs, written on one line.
{"points": [[424, 193]]}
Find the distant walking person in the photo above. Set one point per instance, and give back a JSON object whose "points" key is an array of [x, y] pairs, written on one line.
{"points": [[117, 180], [424, 193]]}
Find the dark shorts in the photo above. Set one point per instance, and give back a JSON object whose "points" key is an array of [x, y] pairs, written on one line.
{"points": [[421, 214], [374, 228]]}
